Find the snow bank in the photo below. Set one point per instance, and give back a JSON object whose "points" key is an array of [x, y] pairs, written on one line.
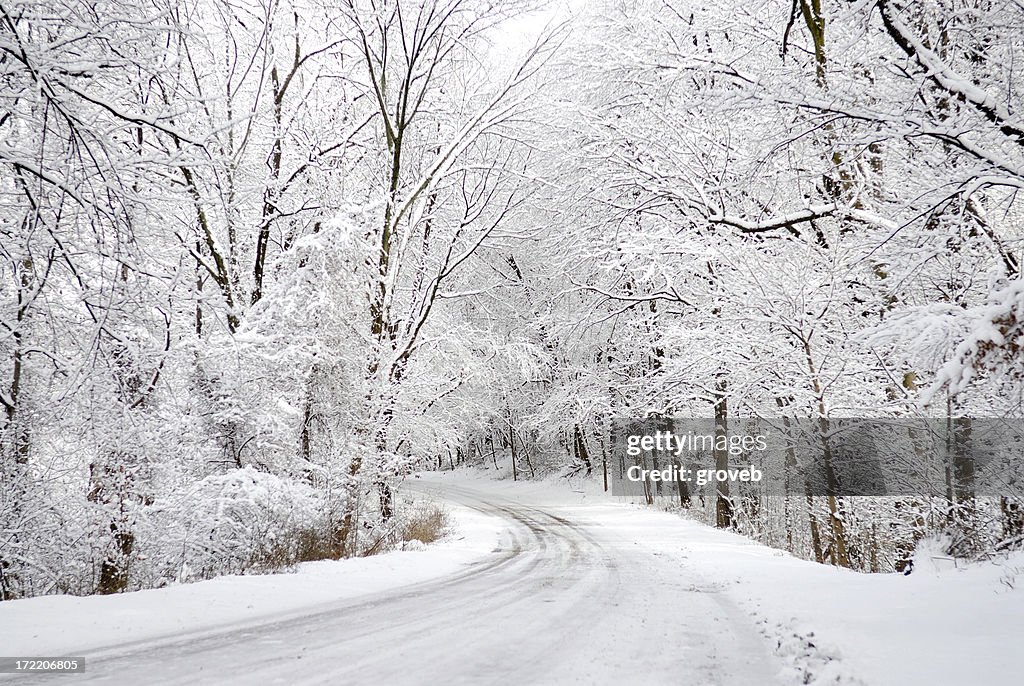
{"points": [[65, 625], [940, 625]]}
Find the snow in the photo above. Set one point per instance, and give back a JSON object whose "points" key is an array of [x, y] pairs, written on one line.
{"points": [[1005, 304], [56, 625], [944, 624], [932, 627], [947, 623], [950, 80]]}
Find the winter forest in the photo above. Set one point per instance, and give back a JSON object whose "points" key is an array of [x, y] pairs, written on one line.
{"points": [[261, 260]]}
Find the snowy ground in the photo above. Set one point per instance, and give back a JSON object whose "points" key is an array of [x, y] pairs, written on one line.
{"points": [[944, 624], [547, 584], [66, 625]]}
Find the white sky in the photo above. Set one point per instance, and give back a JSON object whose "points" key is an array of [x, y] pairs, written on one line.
{"points": [[515, 35]]}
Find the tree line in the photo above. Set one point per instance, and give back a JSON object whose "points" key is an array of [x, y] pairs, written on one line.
{"points": [[263, 258]]}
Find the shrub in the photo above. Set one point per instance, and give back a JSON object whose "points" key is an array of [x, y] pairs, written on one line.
{"points": [[244, 521], [425, 524]]}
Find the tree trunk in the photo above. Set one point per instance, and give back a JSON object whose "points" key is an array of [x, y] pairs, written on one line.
{"points": [[723, 503], [582, 454]]}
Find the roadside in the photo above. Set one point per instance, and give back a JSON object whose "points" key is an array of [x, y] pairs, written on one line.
{"points": [[54, 625]]}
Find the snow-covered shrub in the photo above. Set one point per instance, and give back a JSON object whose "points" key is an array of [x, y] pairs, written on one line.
{"points": [[47, 547], [243, 521]]}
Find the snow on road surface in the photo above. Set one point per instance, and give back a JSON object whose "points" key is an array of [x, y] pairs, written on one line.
{"points": [[547, 586], [944, 625], [560, 600]]}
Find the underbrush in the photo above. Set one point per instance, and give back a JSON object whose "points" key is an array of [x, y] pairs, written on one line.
{"points": [[242, 521], [427, 523]]}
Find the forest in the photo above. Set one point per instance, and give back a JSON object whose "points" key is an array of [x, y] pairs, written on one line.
{"points": [[261, 260]]}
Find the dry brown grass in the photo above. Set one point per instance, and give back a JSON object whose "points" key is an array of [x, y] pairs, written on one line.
{"points": [[425, 524]]}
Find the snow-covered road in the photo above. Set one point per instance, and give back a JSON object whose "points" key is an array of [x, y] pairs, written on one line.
{"points": [[563, 599]]}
